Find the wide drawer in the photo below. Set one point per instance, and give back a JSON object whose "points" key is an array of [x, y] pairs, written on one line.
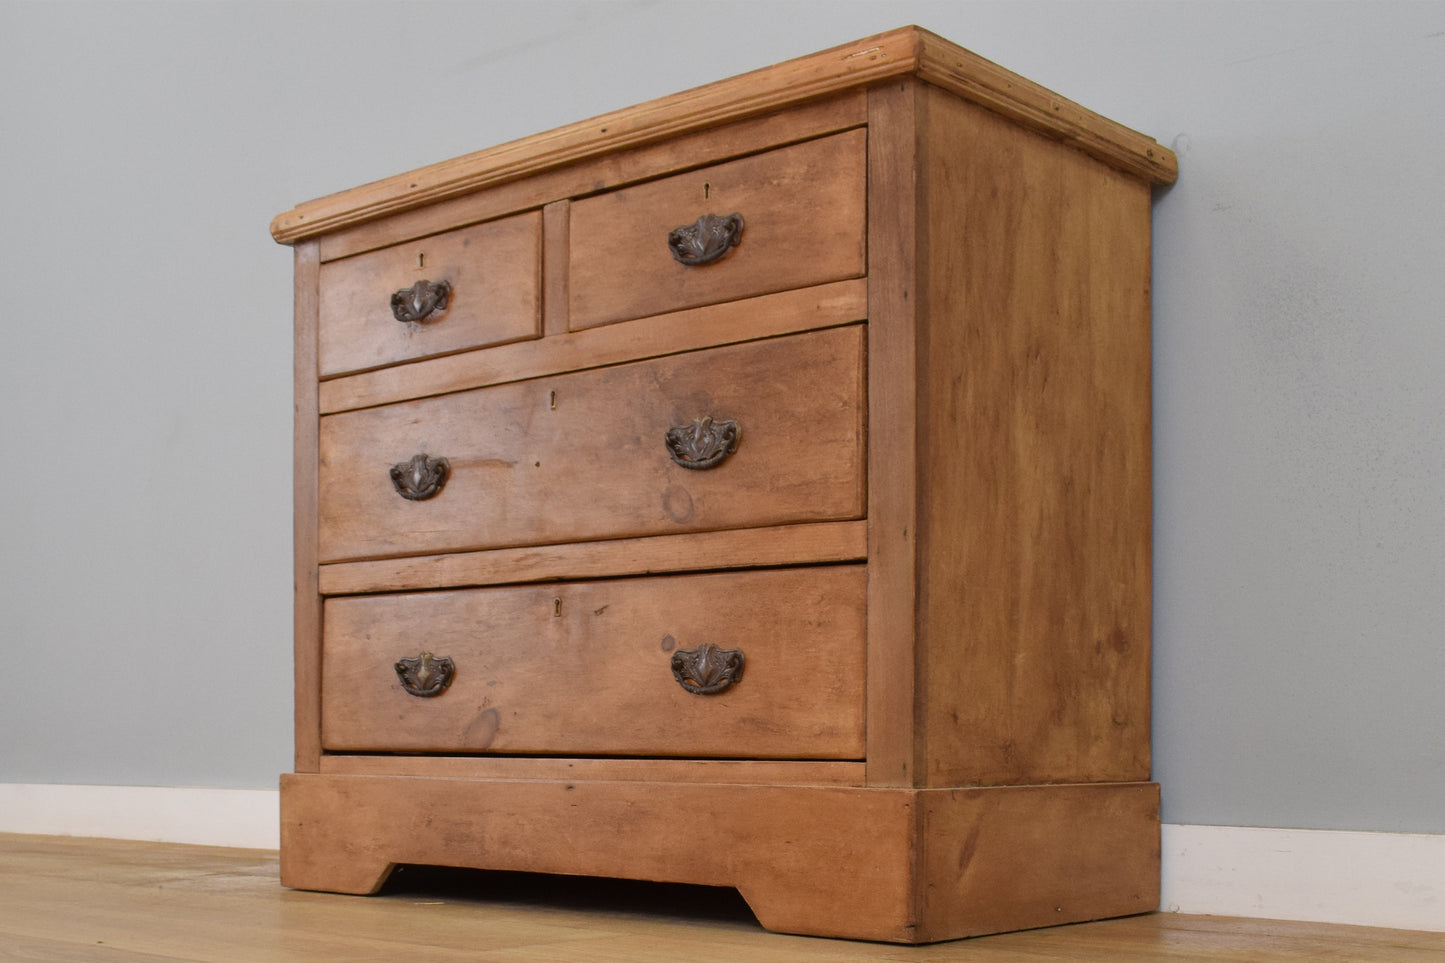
{"points": [[802, 214], [585, 455], [492, 276], [588, 668]]}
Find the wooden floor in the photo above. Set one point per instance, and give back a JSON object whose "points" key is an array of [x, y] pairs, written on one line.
{"points": [[88, 899]]}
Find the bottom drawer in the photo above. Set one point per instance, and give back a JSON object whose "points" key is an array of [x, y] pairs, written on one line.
{"points": [[589, 667]]}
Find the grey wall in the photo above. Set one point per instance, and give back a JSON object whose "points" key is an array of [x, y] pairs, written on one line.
{"points": [[145, 351]]}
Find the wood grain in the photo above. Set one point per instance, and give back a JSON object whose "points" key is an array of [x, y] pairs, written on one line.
{"points": [[603, 172], [829, 305], [1036, 108], [556, 218], [895, 245], [583, 667], [739, 548], [908, 50], [306, 605], [771, 772], [827, 861], [582, 457], [803, 210], [997, 860], [1034, 459], [494, 270], [785, 848]]}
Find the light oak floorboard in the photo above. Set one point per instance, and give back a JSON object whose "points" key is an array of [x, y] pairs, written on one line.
{"points": [[74, 899]]}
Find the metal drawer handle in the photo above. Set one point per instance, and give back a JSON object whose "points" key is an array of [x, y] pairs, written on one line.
{"points": [[707, 668], [421, 300], [704, 443], [706, 239], [420, 478], [427, 675]]}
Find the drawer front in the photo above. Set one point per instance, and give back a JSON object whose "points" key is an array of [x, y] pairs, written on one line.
{"points": [[492, 274], [802, 211], [585, 455], [587, 668]]}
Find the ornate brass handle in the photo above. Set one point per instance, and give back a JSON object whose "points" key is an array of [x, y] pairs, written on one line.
{"points": [[427, 675], [420, 478], [707, 668], [704, 443], [421, 300], [706, 239]]}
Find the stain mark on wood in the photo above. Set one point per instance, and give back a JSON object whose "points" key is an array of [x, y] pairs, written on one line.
{"points": [[677, 503], [483, 729]]}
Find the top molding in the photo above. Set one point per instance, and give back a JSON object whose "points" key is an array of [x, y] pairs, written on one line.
{"points": [[907, 51]]}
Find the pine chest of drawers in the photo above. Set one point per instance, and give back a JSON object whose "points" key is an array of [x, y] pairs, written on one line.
{"points": [[749, 488]]}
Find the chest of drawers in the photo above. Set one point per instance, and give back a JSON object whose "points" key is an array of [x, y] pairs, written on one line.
{"points": [[749, 488]]}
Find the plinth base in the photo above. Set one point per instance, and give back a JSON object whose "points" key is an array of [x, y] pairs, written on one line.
{"points": [[898, 865]]}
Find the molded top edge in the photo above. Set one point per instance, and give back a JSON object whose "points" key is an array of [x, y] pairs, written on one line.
{"points": [[897, 53]]}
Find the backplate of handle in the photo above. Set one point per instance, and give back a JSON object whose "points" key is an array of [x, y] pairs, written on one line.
{"points": [[426, 675], [707, 669], [706, 239], [421, 478], [421, 300], [704, 443]]}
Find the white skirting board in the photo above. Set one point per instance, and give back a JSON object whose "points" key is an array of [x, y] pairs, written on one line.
{"points": [[1365, 879], [1368, 879], [248, 818]]}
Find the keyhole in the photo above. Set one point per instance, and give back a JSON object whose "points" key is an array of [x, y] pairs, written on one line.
{"points": [[420, 260], [556, 608], [552, 400], [706, 190]]}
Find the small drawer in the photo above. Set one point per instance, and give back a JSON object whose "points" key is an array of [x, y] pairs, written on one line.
{"points": [[762, 433], [801, 222], [594, 668], [467, 288]]}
